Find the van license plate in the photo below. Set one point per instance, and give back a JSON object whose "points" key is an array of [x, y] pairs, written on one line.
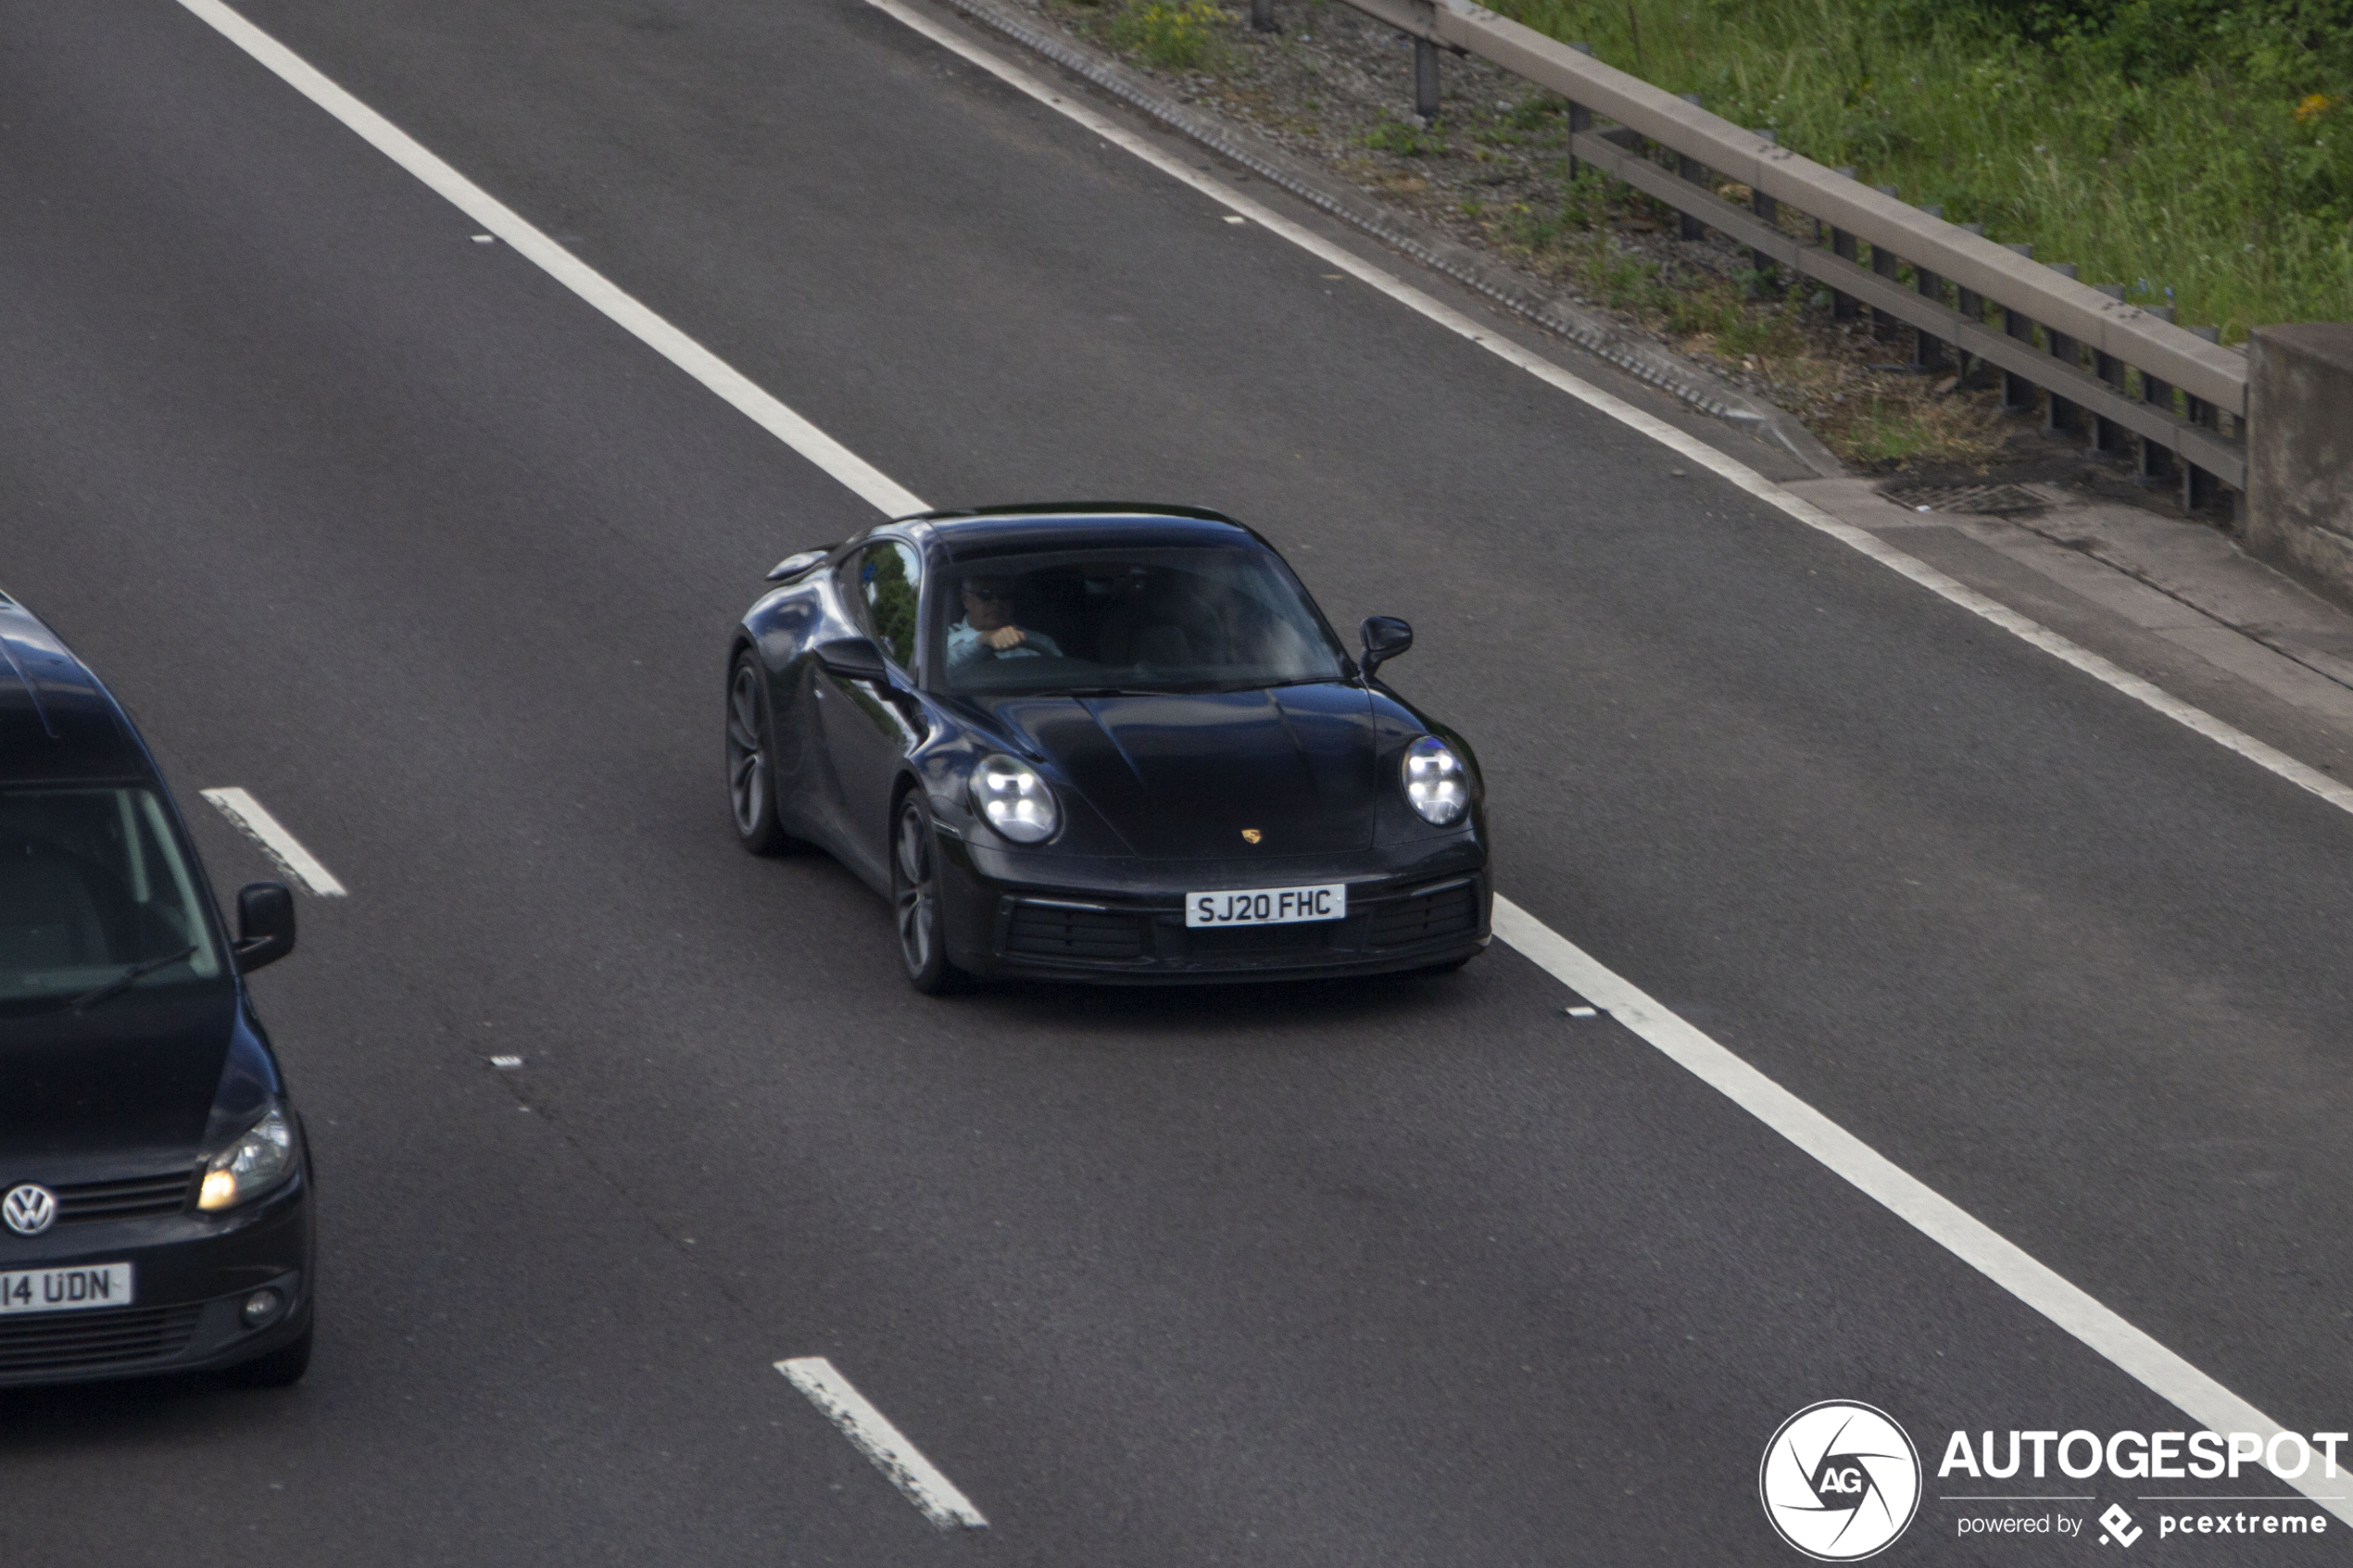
{"points": [[65, 1290], [1268, 906]]}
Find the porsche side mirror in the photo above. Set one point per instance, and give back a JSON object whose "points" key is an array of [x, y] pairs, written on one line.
{"points": [[854, 659], [1385, 637], [794, 565], [265, 924]]}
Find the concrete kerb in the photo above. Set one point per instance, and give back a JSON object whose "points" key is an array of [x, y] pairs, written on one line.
{"points": [[1597, 335]]}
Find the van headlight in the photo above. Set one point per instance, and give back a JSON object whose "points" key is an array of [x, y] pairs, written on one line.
{"points": [[251, 1166], [1014, 800], [1436, 782]]}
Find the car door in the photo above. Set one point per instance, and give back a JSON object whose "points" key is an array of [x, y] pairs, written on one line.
{"points": [[871, 726]]}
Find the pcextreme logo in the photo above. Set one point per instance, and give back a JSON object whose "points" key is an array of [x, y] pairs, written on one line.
{"points": [[1840, 1481]]}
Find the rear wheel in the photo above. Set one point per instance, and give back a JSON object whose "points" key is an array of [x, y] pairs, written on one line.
{"points": [[914, 897], [751, 764]]}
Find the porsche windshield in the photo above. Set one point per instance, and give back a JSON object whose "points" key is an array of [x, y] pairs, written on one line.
{"points": [[1175, 619], [93, 888]]}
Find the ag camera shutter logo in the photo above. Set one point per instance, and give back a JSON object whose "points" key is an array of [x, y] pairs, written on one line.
{"points": [[1840, 1481]]}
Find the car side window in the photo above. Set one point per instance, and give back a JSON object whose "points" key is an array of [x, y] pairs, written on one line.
{"points": [[888, 585]]}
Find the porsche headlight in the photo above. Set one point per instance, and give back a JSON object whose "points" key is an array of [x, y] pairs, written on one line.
{"points": [[251, 1166], [1436, 782], [1014, 800]]}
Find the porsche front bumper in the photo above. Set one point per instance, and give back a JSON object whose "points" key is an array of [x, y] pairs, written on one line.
{"points": [[1114, 922]]}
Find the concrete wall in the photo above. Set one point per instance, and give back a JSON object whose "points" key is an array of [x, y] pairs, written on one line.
{"points": [[2299, 453]]}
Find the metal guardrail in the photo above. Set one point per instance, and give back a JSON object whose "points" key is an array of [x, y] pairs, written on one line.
{"points": [[2046, 325]]}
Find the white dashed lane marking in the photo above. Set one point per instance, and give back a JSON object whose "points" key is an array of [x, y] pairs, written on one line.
{"points": [[917, 1479], [254, 822]]}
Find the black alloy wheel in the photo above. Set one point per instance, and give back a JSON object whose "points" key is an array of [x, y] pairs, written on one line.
{"points": [[750, 776], [914, 897]]}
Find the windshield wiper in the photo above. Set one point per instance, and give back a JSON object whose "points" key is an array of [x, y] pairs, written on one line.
{"points": [[122, 983]]}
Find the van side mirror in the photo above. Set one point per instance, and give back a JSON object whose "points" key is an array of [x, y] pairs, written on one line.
{"points": [[1385, 637], [854, 659], [265, 924]]}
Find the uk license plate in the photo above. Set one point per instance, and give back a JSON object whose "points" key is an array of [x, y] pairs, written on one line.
{"points": [[65, 1290], [1268, 906]]}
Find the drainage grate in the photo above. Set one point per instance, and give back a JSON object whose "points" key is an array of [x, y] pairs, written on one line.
{"points": [[1983, 500]]}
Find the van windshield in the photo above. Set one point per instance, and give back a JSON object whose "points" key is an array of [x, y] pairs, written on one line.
{"points": [[93, 885], [1176, 618]]}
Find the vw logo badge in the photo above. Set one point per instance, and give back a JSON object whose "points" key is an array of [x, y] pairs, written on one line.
{"points": [[29, 1209]]}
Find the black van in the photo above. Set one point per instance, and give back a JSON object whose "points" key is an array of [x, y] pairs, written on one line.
{"points": [[154, 1184]]}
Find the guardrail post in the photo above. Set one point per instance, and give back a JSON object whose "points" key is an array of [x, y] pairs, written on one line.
{"points": [[2107, 435], [2018, 392], [1425, 80], [2058, 414], [1844, 306], [2157, 461], [1884, 263], [1691, 168], [1928, 353], [1580, 119], [1973, 307], [1769, 211], [2199, 487]]}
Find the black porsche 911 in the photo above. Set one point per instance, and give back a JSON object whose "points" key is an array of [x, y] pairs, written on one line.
{"points": [[1102, 743]]}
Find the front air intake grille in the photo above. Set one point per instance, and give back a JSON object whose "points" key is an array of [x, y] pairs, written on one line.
{"points": [[137, 1199], [1249, 941], [1426, 917], [1062, 931], [86, 1341]]}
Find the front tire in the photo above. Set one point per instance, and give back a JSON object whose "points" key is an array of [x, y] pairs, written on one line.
{"points": [[752, 772], [914, 899]]}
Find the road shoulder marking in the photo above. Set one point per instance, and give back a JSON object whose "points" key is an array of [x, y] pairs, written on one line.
{"points": [[1881, 1179], [254, 821], [918, 1480]]}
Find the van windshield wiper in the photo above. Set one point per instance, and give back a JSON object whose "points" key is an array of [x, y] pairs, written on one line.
{"points": [[122, 983]]}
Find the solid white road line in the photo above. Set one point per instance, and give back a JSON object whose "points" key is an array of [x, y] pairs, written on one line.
{"points": [[2130, 1349], [913, 1474], [254, 822], [854, 472], [1677, 441], [1911, 1200]]}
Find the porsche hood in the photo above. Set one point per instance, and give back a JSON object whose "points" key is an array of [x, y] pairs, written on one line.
{"points": [[1194, 775]]}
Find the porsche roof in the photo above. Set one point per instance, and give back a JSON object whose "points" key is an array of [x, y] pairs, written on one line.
{"points": [[1067, 524]]}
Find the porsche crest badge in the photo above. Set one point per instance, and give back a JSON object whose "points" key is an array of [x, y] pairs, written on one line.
{"points": [[1252, 835]]}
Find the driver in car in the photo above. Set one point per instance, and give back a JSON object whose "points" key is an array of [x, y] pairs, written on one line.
{"points": [[988, 629]]}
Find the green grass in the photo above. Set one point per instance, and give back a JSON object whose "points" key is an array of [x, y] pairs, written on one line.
{"points": [[2199, 152]]}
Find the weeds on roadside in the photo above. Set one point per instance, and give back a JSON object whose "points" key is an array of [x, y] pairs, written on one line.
{"points": [[1174, 36], [1406, 139]]}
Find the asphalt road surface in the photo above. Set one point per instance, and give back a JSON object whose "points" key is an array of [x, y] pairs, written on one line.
{"points": [[382, 524]]}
